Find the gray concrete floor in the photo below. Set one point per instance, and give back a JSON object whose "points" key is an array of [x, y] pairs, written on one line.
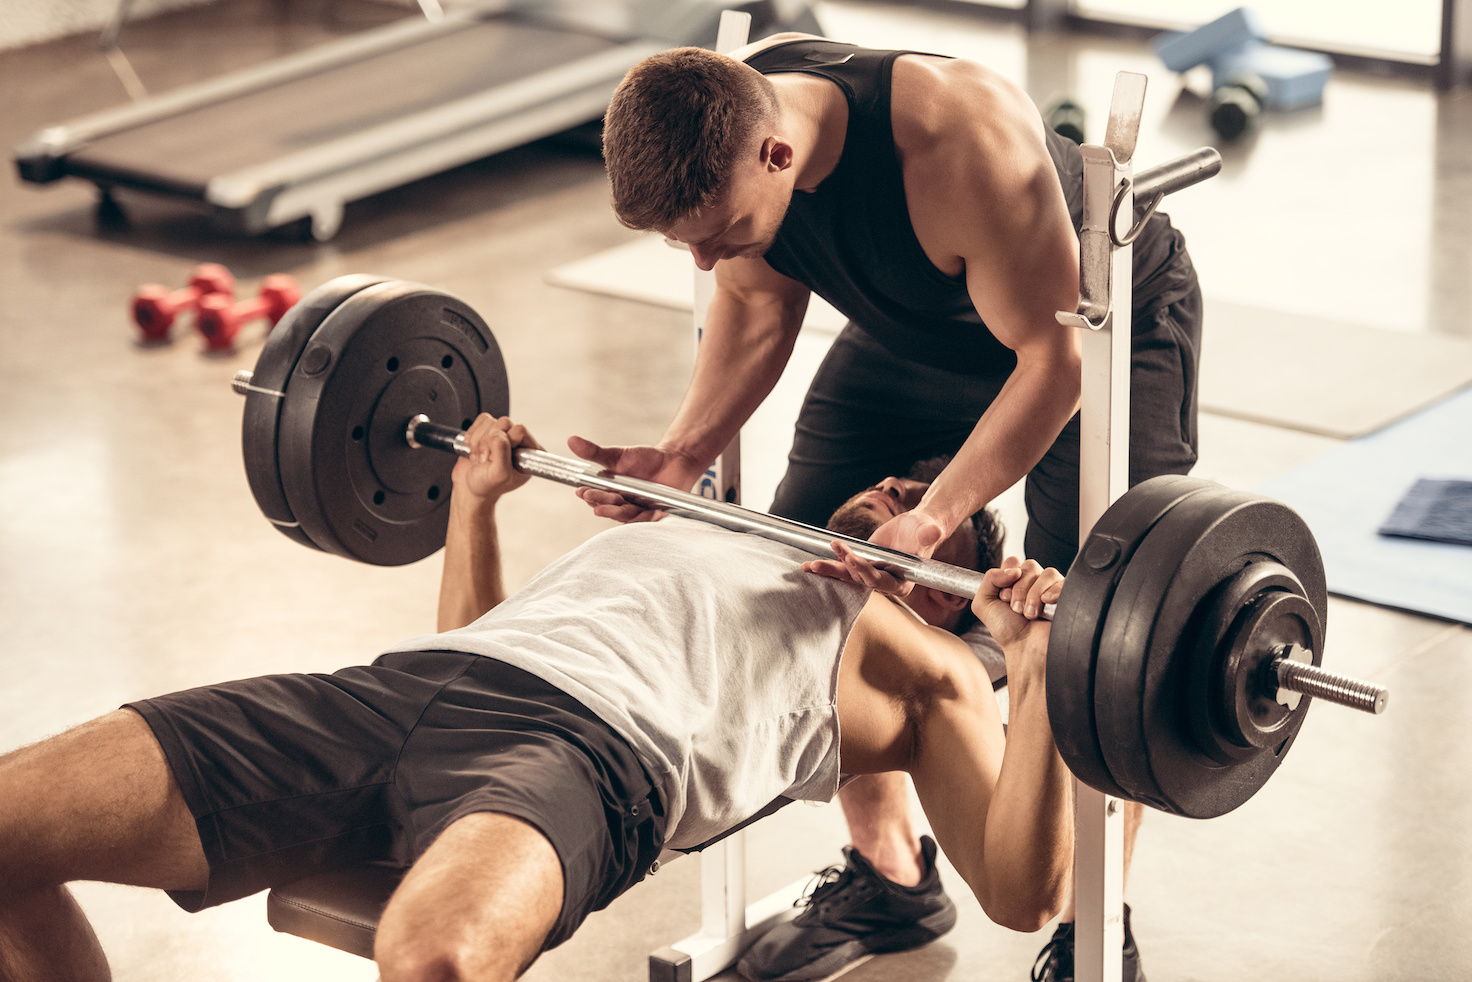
{"points": [[133, 560]]}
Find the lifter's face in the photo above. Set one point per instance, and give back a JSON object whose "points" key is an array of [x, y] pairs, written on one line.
{"points": [[860, 515], [743, 224]]}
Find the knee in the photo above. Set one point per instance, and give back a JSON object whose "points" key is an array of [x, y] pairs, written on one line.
{"points": [[430, 960], [417, 963]]}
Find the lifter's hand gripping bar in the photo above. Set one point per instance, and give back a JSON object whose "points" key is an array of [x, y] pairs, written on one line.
{"points": [[954, 580]]}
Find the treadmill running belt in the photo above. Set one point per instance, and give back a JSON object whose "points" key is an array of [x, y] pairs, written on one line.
{"points": [[183, 152]]}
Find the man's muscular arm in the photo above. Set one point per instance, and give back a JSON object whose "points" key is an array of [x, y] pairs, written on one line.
{"points": [[986, 203], [471, 582], [750, 329], [1028, 858]]}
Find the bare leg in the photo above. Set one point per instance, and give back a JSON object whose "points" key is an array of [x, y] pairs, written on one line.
{"points": [[877, 808], [476, 907], [95, 803]]}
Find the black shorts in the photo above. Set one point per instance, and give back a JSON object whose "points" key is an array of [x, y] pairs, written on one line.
{"points": [[290, 775], [870, 414]]}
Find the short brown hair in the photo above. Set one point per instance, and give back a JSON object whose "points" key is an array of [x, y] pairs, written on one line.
{"points": [[674, 131]]}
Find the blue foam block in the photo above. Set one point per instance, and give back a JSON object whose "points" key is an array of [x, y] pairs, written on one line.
{"points": [[1183, 52], [1295, 79], [1346, 495]]}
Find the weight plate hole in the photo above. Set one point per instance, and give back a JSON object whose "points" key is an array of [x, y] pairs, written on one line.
{"points": [[378, 497], [357, 432], [434, 492], [393, 364], [447, 361]]}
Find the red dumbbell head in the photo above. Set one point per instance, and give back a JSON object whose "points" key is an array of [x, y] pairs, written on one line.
{"points": [[155, 307]]}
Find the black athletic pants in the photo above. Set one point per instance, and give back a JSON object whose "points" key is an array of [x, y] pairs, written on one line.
{"points": [[869, 415]]}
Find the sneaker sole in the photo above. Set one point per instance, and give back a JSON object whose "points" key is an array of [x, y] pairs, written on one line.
{"points": [[922, 932]]}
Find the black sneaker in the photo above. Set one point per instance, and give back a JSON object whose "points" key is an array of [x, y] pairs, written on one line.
{"points": [[851, 912], [1055, 961]]}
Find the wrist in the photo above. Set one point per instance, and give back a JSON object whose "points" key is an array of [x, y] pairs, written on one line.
{"points": [[466, 502]]}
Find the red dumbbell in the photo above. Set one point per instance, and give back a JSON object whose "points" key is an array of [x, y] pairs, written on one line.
{"points": [[220, 321], [155, 307]]}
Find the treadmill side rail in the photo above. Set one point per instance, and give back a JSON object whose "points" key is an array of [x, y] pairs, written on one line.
{"points": [[39, 158], [604, 70]]}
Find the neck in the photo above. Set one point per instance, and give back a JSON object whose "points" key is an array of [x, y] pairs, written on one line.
{"points": [[815, 121]]}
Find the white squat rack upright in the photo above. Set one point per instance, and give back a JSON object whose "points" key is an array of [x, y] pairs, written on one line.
{"points": [[1106, 236]]}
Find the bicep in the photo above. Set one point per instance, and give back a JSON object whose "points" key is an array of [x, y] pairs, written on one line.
{"points": [[1022, 262]]}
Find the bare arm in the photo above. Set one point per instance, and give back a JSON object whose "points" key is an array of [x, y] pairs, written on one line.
{"points": [[752, 324], [986, 202], [471, 582], [913, 697], [1028, 857]]}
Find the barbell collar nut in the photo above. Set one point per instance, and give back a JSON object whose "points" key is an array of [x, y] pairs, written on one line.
{"points": [[1288, 652], [1310, 680]]}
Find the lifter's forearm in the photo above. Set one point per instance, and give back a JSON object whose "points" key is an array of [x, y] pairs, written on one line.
{"points": [[1029, 826], [471, 582]]}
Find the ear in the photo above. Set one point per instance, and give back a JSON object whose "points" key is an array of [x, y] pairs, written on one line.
{"points": [[777, 153], [948, 600]]}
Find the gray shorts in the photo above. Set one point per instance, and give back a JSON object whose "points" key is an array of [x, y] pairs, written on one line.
{"points": [[290, 775]]}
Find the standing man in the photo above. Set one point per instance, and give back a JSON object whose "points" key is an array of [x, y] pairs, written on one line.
{"points": [[924, 198]]}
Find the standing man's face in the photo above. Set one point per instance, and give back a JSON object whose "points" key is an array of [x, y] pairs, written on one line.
{"points": [[744, 223]]}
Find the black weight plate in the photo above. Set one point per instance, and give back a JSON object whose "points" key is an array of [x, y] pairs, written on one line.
{"points": [[1078, 620], [1217, 681], [262, 417], [1161, 599], [386, 353]]}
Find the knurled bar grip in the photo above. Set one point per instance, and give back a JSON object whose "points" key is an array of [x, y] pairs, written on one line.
{"points": [[1310, 680], [954, 580]]}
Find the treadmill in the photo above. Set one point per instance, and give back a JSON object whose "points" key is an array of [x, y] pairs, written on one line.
{"points": [[299, 137]]}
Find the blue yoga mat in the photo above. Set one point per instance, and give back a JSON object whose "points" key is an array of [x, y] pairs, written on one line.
{"points": [[1350, 492]]}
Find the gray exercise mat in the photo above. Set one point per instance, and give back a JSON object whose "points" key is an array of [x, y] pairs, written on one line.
{"points": [[1265, 366], [1320, 376], [1347, 494]]}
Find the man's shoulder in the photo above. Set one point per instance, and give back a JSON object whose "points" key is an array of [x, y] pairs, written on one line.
{"points": [[946, 105], [746, 52]]}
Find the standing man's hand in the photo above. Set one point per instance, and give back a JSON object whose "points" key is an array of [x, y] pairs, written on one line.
{"points": [[649, 463]]}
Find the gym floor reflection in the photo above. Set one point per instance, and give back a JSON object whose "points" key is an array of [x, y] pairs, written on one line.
{"points": [[133, 560]]}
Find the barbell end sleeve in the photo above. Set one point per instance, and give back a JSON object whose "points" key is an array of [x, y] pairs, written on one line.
{"points": [[244, 384], [1310, 680], [421, 434]]}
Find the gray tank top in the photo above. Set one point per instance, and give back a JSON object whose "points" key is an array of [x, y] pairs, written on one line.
{"points": [[709, 651]]}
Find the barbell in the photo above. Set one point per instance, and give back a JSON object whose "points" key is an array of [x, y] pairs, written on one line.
{"points": [[1188, 632]]}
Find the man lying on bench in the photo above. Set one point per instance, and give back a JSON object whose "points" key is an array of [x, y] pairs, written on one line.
{"points": [[653, 688]]}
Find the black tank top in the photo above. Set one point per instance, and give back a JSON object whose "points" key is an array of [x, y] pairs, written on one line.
{"points": [[850, 239]]}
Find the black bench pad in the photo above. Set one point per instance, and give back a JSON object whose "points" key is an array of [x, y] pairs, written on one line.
{"points": [[340, 908]]}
